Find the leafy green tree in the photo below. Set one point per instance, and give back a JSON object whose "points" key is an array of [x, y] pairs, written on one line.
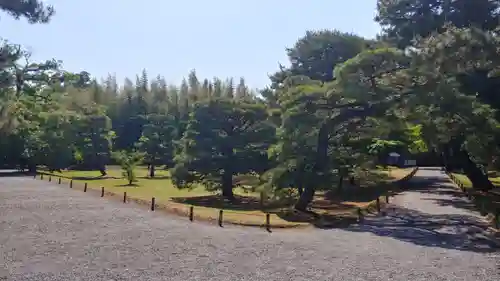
{"points": [[128, 160], [316, 55], [224, 138], [157, 141], [403, 20], [95, 139]]}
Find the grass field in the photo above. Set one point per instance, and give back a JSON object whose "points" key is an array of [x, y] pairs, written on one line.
{"points": [[488, 203], [468, 184], [247, 210]]}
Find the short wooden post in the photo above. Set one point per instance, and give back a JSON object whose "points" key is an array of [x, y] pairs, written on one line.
{"points": [[59, 182], [102, 191], [85, 188], [221, 213], [41, 176], [124, 197], [152, 204], [50, 178], [191, 213], [497, 218], [268, 222], [378, 204], [387, 198], [71, 184]]}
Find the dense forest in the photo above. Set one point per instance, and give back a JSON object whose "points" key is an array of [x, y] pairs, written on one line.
{"points": [[429, 83]]}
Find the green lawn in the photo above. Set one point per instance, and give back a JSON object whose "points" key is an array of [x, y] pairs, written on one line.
{"points": [[468, 184], [487, 203], [247, 211]]}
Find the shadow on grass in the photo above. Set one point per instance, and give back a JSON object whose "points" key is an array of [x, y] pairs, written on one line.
{"points": [[127, 185], [240, 203], [330, 210], [91, 178], [155, 178], [459, 232], [322, 221]]}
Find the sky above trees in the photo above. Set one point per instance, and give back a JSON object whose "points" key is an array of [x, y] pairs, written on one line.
{"points": [[219, 38]]}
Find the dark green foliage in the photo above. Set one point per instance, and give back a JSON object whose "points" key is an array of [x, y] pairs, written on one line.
{"points": [[223, 138], [403, 20], [318, 53], [128, 160], [35, 11], [157, 141]]}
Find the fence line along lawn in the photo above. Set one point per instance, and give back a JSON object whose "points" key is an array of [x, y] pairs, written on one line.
{"points": [[487, 203], [206, 204]]}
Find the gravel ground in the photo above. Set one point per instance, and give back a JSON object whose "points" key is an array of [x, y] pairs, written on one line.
{"points": [[49, 232]]}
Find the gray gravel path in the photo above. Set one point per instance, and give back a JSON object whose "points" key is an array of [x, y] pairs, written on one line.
{"points": [[49, 232]]}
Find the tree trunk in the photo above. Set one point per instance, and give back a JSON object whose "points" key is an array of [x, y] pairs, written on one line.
{"points": [[152, 171], [227, 185], [318, 170], [461, 159], [300, 189], [300, 181], [32, 168], [305, 198], [352, 181]]}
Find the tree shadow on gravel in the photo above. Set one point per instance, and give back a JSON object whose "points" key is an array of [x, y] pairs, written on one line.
{"points": [[458, 232]]}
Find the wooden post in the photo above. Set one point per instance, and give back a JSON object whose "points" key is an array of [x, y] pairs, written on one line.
{"points": [[220, 217], [71, 184], [360, 215], [102, 191], [378, 204], [387, 198], [268, 222], [152, 204], [50, 178], [191, 213], [85, 188], [59, 182], [41, 176], [124, 197], [261, 199], [497, 218]]}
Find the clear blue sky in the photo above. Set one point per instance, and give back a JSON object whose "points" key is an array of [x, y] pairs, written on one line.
{"points": [[217, 38]]}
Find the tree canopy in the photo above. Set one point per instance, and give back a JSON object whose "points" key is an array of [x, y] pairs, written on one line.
{"points": [[429, 84]]}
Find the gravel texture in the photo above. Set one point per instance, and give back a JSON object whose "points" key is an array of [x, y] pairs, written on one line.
{"points": [[49, 232]]}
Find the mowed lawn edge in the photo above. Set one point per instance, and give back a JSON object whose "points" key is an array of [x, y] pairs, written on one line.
{"points": [[162, 189], [491, 206]]}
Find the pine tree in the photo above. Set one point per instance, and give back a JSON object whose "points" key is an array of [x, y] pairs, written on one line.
{"points": [[194, 86], [223, 138], [242, 90], [229, 89], [35, 11]]}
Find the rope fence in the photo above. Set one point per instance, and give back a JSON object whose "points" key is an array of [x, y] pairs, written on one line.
{"points": [[263, 218], [487, 203]]}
